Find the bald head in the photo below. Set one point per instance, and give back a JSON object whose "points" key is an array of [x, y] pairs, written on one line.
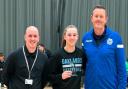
{"points": [[31, 28], [31, 37]]}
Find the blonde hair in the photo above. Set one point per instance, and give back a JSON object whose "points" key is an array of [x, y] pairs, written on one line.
{"points": [[63, 42]]}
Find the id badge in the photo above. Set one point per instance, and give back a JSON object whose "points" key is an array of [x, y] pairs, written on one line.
{"points": [[29, 81]]}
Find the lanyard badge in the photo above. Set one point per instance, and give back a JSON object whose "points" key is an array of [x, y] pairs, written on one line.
{"points": [[29, 80]]}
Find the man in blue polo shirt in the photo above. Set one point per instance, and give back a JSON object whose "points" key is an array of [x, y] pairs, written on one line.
{"points": [[105, 67]]}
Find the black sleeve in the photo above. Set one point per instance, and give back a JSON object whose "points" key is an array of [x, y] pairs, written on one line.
{"points": [[56, 69], [9, 68], [46, 71], [84, 61]]}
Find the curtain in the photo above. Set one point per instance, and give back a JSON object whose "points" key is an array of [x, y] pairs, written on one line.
{"points": [[52, 16]]}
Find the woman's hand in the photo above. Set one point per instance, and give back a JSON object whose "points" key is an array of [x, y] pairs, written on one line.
{"points": [[66, 74]]}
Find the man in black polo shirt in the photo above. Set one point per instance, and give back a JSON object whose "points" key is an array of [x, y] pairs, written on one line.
{"points": [[27, 67]]}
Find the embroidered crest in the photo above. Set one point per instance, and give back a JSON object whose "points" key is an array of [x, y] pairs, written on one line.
{"points": [[109, 41]]}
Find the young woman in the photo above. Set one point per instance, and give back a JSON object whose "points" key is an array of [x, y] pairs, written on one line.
{"points": [[68, 62]]}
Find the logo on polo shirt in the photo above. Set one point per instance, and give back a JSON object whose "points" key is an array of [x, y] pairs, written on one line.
{"points": [[109, 41]]}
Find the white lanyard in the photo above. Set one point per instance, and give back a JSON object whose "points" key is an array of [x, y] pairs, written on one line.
{"points": [[29, 70]]}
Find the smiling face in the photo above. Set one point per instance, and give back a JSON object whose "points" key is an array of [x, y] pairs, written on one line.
{"points": [[31, 37], [71, 37], [99, 18]]}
